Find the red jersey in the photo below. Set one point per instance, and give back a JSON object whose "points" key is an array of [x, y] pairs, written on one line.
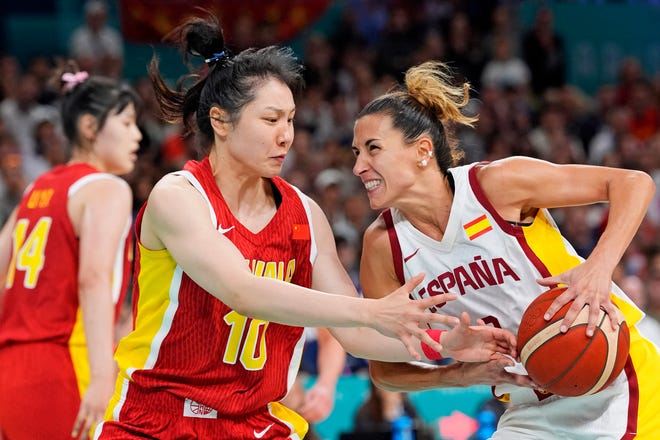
{"points": [[191, 345], [40, 303]]}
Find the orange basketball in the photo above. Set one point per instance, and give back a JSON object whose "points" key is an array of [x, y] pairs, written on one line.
{"points": [[570, 364]]}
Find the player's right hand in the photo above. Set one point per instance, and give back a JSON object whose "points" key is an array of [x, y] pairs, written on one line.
{"points": [[476, 343]]}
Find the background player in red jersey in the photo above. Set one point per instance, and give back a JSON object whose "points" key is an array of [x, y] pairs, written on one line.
{"points": [[484, 230], [227, 255], [64, 264]]}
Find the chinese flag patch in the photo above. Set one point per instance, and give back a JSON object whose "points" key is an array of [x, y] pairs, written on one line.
{"points": [[300, 232]]}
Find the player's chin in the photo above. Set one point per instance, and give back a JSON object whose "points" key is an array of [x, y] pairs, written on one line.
{"points": [[122, 168]]}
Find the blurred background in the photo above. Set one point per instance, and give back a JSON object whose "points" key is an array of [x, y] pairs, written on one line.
{"points": [[566, 81]]}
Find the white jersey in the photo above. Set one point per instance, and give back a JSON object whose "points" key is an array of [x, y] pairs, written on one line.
{"points": [[492, 265]]}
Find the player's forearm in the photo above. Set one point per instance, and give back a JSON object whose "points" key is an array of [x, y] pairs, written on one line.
{"points": [[331, 362], [418, 376], [97, 316], [367, 343], [286, 303], [625, 215]]}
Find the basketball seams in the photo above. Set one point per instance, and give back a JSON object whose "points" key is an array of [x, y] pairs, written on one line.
{"points": [[539, 339], [550, 332], [607, 339], [610, 358], [612, 344]]}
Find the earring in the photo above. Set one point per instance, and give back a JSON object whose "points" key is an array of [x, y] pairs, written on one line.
{"points": [[423, 162]]}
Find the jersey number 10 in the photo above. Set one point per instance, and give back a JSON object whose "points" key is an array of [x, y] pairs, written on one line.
{"points": [[247, 341]]}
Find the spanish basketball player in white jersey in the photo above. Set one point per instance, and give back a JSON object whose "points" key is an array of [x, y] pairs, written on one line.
{"points": [[483, 231], [227, 257]]}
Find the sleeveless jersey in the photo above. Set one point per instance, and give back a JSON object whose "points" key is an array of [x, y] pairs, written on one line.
{"points": [[191, 345], [492, 266], [40, 303]]}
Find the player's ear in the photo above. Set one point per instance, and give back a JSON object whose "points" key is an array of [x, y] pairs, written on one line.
{"points": [[88, 127], [424, 150], [219, 120]]}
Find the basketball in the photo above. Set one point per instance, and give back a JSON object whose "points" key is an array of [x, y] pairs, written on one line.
{"points": [[571, 363]]}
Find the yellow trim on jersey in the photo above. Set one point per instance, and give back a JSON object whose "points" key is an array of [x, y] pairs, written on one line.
{"points": [[292, 419], [78, 353], [548, 244], [645, 358], [155, 310]]}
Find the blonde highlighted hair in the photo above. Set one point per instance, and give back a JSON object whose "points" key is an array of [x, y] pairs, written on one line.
{"points": [[429, 104], [431, 85]]}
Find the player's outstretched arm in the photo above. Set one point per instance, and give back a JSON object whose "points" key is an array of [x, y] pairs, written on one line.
{"points": [[177, 218]]}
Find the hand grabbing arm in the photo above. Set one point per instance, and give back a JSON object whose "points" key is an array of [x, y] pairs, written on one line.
{"points": [[476, 343]]}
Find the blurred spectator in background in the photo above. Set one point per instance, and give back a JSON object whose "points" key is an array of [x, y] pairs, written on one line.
{"points": [[374, 417], [21, 113], [616, 126], [653, 284], [504, 24], [464, 51], [578, 226], [630, 71], [552, 134], [41, 67], [397, 43], [50, 144], [10, 72], [96, 46], [649, 326], [504, 69], [645, 116], [544, 53], [13, 181]]}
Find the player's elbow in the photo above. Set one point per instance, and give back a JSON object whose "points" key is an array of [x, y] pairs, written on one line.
{"points": [[642, 183], [90, 280], [237, 294]]}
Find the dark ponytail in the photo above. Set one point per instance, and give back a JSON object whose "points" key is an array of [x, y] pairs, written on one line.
{"points": [[225, 81]]}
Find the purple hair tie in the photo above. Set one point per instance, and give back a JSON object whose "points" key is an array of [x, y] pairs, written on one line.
{"points": [[71, 80]]}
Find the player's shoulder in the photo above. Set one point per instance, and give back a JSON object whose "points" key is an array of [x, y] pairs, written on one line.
{"points": [[170, 185], [376, 234], [512, 164], [101, 185]]}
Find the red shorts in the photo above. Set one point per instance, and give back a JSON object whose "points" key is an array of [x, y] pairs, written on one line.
{"points": [[39, 396], [159, 414]]}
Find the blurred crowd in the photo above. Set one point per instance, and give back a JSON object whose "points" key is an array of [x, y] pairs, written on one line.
{"points": [[520, 91]]}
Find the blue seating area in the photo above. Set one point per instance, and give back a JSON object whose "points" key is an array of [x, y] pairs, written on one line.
{"points": [[431, 405]]}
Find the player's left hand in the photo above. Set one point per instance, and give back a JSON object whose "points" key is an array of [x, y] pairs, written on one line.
{"points": [[588, 284], [317, 403], [92, 407], [476, 343]]}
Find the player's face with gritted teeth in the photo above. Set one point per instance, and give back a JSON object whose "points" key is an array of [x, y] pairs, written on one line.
{"points": [[386, 165]]}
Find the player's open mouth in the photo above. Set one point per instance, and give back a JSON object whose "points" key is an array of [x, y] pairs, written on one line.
{"points": [[371, 184]]}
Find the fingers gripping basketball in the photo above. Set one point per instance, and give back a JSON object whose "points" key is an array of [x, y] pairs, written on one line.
{"points": [[571, 363]]}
